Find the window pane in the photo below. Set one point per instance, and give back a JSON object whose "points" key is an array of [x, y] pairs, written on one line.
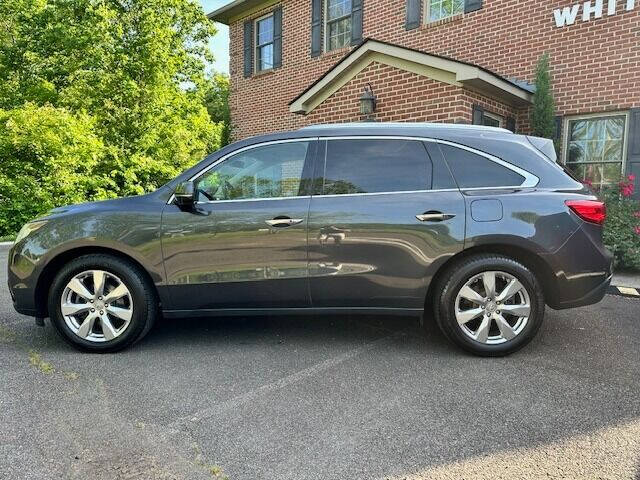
{"points": [[595, 150], [612, 151], [272, 171], [338, 8], [369, 166], [265, 57], [264, 30], [576, 152], [474, 171], [339, 33], [490, 121], [578, 130], [612, 173], [439, 9], [615, 128]]}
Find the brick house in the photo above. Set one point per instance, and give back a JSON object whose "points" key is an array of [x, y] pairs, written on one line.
{"points": [[298, 62]]}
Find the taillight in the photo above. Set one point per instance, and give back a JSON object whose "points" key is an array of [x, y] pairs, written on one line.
{"points": [[589, 210]]}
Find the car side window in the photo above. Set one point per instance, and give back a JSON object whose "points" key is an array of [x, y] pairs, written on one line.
{"points": [[269, 171], [475, 171], [372, 166]]}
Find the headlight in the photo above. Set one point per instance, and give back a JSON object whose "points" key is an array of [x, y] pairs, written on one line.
{"points": [[28, 229]]}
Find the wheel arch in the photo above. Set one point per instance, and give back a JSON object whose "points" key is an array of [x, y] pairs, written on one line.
{"points": [[54, 265], [530, 259]]}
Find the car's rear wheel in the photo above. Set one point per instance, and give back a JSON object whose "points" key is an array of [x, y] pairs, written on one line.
{"points": [[489, 305], [101, 303]]}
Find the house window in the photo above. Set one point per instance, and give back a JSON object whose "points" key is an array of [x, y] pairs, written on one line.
{"points": [[595, 148], [492, 120], [338, 26], [264, 43], [440, 9]]}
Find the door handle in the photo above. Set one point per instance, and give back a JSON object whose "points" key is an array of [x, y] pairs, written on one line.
{"points": [[284, 222], [435, 217]]}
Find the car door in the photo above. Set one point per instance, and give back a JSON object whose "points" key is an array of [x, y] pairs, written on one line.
{"points": [[384, 216], [244, 243]]}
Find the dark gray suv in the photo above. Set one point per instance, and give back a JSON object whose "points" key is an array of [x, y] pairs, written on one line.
{"points": [[478, 225]]}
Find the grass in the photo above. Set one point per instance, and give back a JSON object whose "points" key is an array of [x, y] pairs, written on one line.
{"points": [[36, 360], [7, 238]]}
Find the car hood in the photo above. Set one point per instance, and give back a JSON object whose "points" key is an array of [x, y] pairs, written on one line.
{"points": [[115, 204]]}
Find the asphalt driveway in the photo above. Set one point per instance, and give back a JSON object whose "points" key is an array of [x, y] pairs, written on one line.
{"points": [[322, 398]]}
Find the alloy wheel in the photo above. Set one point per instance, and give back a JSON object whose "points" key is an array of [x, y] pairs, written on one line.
{"points": [[96, 305], [492, 307]]}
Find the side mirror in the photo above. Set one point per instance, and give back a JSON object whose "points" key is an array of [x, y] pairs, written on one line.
{"points": [[185, 194]]}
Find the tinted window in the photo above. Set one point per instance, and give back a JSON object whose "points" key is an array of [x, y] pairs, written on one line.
{"points": [[442, 178], [271, 171], [369, 166], [474, 171]]}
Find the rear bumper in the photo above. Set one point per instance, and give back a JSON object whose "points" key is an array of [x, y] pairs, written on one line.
{"points": [[582, 270], [594, 296]]}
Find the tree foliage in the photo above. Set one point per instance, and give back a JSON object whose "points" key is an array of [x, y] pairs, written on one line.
{"points": [[47, 158], [216, 99], [543, 114], [126, 77]]}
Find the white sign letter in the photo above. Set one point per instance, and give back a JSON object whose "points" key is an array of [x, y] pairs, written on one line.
{"points": [[631, 4], [566, 16], [587, 10], [612, 7]]}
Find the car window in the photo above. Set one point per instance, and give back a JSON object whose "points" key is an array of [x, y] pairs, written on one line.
{"points": [[270, 171], [475, 171], [370, 166]]}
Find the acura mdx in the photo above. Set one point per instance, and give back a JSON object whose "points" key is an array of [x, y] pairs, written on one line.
{"points": [[476, 227]]}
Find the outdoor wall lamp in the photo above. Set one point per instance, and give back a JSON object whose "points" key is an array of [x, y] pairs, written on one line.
{"points": [[368, 103]]}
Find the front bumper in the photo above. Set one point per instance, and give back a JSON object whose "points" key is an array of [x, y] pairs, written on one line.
{"points": [[20, 279]]}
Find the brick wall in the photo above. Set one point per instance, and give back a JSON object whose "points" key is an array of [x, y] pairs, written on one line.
{"points": [[595, 64], [403, 96]]}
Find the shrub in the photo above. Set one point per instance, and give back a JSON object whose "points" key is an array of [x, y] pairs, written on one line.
{"points": [[543, 113], [47, 157], [622, 227]]}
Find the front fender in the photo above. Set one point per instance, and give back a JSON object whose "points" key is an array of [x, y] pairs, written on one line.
{"points": [[34, 260]]}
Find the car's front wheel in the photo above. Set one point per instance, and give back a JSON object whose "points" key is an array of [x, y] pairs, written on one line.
{"points": [[489, 305], [101, 303]]}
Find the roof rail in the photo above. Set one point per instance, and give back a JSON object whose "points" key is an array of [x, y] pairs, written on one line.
{"points": [[381, 125]]}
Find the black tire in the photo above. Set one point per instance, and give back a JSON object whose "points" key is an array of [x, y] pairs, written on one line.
{"points": [[452, 281], [145, 303]]}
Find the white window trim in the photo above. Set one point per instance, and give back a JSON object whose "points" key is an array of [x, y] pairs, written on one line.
{"points": [[427, 13], [255, 43], [325, 19], [625, 142]]}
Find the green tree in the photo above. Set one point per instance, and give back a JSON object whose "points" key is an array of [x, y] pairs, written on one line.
{"points": [[543, 114], [47, 158], [216, 100], [131, 71]]}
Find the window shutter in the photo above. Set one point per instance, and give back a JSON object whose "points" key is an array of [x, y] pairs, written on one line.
{"points": [[472, 5], [316, 27], [633, 149], [511, 124], [478, 112], [558, 133], [248, 48], [356, 21], [413, 14], [277, 37]]}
